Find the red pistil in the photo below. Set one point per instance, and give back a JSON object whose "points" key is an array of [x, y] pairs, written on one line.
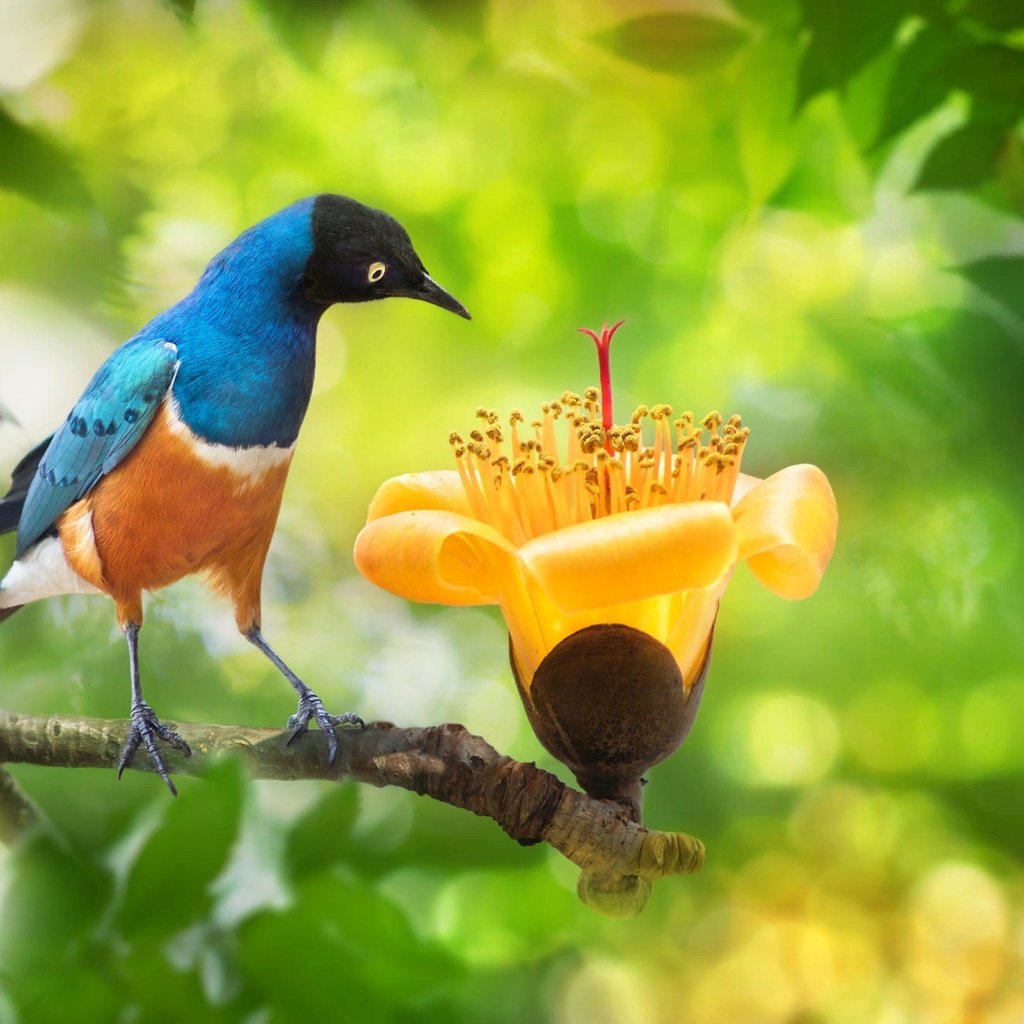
{"points": [[604, 344]]}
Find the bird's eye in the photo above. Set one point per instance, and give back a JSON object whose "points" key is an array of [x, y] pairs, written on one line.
{"points": [[376, 272]]}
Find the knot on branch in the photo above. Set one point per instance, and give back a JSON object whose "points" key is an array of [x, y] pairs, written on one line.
{"points": [[670, 853], [523, 800]]}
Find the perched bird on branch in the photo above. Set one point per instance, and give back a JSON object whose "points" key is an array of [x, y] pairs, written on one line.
{"points": [[174, 459]]}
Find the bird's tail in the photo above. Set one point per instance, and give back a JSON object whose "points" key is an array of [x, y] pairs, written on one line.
{"points": [[10, 513], [14, 501]]}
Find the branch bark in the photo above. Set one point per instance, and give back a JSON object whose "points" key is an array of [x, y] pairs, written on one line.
{"points": [[619, 858]]}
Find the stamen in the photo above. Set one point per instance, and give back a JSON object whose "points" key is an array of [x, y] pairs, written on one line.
{"points": [[590, 467]]}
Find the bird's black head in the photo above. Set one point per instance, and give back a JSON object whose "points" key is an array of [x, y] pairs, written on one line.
{"points": [[361, 254]]}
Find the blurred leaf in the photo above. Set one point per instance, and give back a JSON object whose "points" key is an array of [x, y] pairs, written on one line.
{"points": [[165, 980], [963, 159], [955, 361], [45, 996], [468, 15], [1001, 277], [444, 837], [1010, 172], [769, 12], [828, 177], [994, 76], [168, 882], [37, 167], [184, 9], [318, 838], [1001, 15], [55, 901], [844, 37], [683, 44], [766, 133], [920, 82], [349, 938], [932, 10], [510, 915], [303, 26]]}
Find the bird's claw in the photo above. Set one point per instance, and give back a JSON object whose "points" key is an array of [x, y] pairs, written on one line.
{"points": [[144, 728], [310, 708]]}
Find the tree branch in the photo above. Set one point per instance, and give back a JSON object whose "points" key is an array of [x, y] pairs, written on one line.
{"points": [[619, 859]]}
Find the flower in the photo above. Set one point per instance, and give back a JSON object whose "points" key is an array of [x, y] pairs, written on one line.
{"points": [[603, 529]]}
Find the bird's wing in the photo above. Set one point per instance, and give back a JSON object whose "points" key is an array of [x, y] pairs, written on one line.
{"points": [[102, 428]]}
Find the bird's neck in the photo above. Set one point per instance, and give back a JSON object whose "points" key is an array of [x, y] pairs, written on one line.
{"points": [[248, 354], [254, 286]]}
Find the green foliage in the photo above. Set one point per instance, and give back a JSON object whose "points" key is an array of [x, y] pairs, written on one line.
{"points": [[963, 159], [303, 26], [44, 867], [184, 9], [809, 212], [920, 81], [1002, 277], [212, 815], [343, 932], [38, 167], [684, 44], [315, 840], [844, 37]]}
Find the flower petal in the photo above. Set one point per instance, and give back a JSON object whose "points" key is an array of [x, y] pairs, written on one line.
{"points": [[745, 483], [787, 530], [633, 555], [439, 489], [688, 632], [436, 556]]}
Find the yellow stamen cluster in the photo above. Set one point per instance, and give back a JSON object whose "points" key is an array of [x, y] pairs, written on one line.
{"points": [[519, 483]]}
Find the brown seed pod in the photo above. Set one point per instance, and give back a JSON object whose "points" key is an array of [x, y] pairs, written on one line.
{"points": [[608, 702]]}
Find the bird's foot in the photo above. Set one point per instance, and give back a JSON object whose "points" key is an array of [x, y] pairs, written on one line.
{"points": [[144, 730], [311, 708]]}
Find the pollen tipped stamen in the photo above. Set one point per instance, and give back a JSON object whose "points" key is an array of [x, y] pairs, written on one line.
{"points": [[575, 464], [566, 474]]}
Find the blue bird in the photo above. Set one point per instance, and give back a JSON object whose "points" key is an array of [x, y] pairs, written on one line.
{"points": [[174, 459]]}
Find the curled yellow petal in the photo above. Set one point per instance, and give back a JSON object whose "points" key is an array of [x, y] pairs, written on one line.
{"points": [[437, 489], [745, 483], [434, 555], [787, 530], [633, 555]]}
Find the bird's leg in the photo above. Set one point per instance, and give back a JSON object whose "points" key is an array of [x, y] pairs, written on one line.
{"points": [[310, 705], [145, 725]]}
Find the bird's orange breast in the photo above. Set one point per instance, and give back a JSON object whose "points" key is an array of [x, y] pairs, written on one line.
{"points": [[169, 510]]}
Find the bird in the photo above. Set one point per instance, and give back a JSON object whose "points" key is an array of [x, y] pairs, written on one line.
{"points": [[174, 459]]}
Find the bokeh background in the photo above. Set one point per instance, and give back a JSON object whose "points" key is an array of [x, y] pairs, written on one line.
{"points": [[810, 213]]}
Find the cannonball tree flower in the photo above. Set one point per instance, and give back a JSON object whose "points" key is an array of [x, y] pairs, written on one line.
{"points": [[608, 548]]}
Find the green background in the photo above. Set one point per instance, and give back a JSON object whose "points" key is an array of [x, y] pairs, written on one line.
{"points": [[810, 213]]}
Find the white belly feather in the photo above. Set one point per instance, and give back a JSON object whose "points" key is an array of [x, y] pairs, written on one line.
{"points": [[41, 572], [246, 463]]}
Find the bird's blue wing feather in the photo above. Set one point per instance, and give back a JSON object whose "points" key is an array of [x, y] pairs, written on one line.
{"points": [[103, 427]]}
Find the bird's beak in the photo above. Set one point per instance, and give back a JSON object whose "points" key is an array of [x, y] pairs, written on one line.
{"points": [[430, 291]]}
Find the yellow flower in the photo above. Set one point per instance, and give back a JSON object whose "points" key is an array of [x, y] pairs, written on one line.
{"points": [[601, 528], [623, 538]]}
